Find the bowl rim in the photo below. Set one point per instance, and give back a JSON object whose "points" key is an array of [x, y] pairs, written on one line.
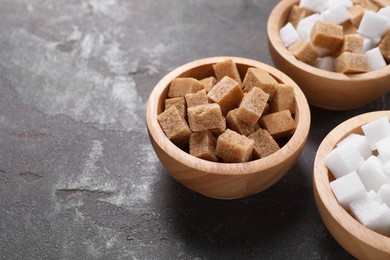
{"points": [[296, 141], [274, 39], [322, 188]]}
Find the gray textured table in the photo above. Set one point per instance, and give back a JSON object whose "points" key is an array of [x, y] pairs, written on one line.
{"points": [[78, 177]]}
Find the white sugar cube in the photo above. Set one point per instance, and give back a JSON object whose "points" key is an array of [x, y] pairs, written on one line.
{"points": [[369, 43], [376, 130], [306, 25], [343, 160], [345, 3], [372, 175], [336, 14], [383, 147], [384, 193], [375, 59], [325, 63], [386, 168], [314, 5], [288, 34], [322, 51], [385, 11], [348, 188], [360, 142], [371, 213], [373, 25]]}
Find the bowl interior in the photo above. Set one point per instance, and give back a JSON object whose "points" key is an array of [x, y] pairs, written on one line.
{"points": [[201, 69], [352, 235]]}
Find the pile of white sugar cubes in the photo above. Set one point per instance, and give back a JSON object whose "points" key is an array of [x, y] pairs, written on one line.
{"points": [[346, 36], [361, 166]]}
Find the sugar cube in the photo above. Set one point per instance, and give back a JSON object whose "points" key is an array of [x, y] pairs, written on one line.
{"points": [[386, 168], [227, 93], [205, 117], [381, 3], [305, 26], [227, 68], [383, 147], [195, 99], [384, 193], [252, 106], [314, 5], [351, 63], [371, 174], [174, 126], [356, 13], [360, 142], [233, 147], [372, 25], [336, 14], [234, 123], [325, 63], [384, 46], [202, 145], [180, 104], [181, 86], [256, 77], [348, 188], [304, 51], [288, 34], [372, 214], [343, 160], [209, 83], [326, 35], [284, 98], [345, 3], [376, 130], [278, 124], [297, 13], [352, 43], [264, 144], [375, 59]]}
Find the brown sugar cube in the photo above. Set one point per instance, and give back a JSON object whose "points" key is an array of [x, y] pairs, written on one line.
{"points": [[252, 106], [384, 46], [233, 147], [352, 43], [235, 124], [265, 144], [372, 6], [297, 13], [381, 3], [174, 126], [266, 110], [202, 145], [356, 13], [284, 98], [227, 93], [181, 86], [326, 35], [227, 68], [278, 124], [179, 103], [349, 28], [256, 77], [208, 83], [198, 98], [351, 63], [205, 117], [304, 51]]}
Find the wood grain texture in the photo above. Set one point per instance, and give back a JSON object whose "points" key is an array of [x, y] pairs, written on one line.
{"points": [[324, 89], [358, 240], [224, 180]]}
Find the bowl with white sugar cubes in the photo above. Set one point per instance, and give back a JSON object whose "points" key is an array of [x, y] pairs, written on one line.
{"points": [[337, 51], [352, 184]]}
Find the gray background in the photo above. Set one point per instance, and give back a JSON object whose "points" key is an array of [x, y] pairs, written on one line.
{"points": [[78, 176]]}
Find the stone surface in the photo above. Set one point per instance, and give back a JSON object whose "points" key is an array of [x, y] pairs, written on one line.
{"points": [[78, 176]]}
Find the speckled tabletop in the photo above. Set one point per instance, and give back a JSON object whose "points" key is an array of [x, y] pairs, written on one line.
{"points": [[78, 176]]}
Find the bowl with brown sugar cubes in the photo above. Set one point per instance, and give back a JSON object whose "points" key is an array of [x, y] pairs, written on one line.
{"points": [[227, 127], [338, 52]]}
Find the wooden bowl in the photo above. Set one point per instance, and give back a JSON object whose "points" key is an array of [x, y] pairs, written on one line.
{"points": [[324, 89], [358, 240], [224, 180]]}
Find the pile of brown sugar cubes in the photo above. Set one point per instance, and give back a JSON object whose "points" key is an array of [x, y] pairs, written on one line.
{"points": [[225, 119], [346, 36]]}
